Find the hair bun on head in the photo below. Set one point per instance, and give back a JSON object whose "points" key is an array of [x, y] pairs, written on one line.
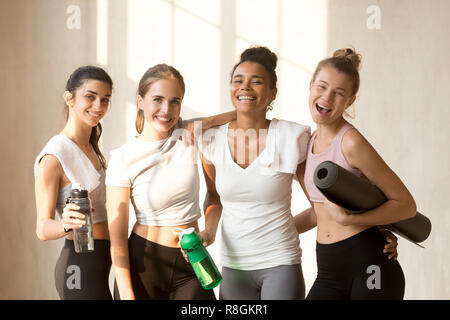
{"points": [[263, 54], [350, 54], [264, 57]]}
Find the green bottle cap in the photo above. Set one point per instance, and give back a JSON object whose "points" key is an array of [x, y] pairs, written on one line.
{"points": [[189, 239], [191, 243]]}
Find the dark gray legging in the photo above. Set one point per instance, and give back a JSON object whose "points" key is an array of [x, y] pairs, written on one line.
{"points": [[84, 276], [277, 283]]}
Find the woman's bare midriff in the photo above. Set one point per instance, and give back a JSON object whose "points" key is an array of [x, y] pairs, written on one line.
{"points": [[328, 230], [99, 230], [162, 235]]}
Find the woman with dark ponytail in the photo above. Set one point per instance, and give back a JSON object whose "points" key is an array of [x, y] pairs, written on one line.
{"points": [[74, 157]]}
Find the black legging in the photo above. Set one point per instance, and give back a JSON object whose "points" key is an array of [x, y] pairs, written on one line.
{"points": [[84, 276], [161, 273], [356, 268]]}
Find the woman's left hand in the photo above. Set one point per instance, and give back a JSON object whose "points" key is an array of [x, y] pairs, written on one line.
{"points": [[337, 213], [391, 246]]}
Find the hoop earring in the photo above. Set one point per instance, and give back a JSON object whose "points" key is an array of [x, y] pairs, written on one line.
{"points": [[270, 106]]}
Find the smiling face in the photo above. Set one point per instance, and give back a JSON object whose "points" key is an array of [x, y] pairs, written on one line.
{"points": [[90, 102], [250, 88], [330, 95], [161, 106]]}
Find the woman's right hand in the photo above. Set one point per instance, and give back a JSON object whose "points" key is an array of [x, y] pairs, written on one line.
{"points": [[207, 239], [72, 218]]}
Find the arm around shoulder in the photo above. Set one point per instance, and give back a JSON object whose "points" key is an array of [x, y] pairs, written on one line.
{"points": [[218, 119], [194, 128]]}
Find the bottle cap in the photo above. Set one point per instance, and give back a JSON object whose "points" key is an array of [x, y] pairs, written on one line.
{"points": [[78, 191], [188, 238], [181, 232]]}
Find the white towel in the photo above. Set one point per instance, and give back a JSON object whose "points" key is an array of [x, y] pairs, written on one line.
{"points": [[287, 147], [76, 165]]}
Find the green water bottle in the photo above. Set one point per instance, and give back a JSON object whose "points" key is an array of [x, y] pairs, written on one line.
{"points": [[202, 263]]}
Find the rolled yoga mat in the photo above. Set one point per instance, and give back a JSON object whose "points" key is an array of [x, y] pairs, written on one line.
{"points": [[357, 195]]}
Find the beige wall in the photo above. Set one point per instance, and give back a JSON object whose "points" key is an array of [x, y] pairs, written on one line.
{"points": [[401, 108], [38, 53]]}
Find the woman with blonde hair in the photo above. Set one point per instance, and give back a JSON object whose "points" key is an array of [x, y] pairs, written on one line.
{"points": [[158, 173], [349, 246]]}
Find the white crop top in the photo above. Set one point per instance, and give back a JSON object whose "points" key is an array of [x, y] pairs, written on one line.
{"points": [[80, 170], [163, 180], [258, 229]]}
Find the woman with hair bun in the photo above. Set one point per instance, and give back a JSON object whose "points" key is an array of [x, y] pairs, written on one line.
{"points": [[349, 247], [74, 157], [249, 164]]}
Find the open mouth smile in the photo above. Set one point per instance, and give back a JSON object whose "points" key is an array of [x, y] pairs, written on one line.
{"points": [[322, 109]]}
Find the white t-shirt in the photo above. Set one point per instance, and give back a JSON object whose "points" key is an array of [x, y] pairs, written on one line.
{"points": [[257, 229], [163, 178]]}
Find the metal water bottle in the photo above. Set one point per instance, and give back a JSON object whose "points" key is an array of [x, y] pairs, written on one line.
{"points": [[83, 238], [202, 263]]}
